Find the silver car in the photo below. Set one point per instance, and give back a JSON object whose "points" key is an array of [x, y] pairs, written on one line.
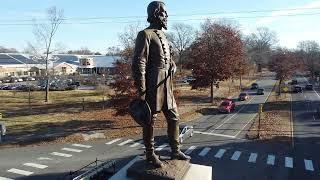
{"points": [[3, 129], [185, 132]]}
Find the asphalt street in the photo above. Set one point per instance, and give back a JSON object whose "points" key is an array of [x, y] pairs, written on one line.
{"points": [[219, 142], [306, 130]]}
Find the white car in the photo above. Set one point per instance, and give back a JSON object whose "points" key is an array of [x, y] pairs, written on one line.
{"points": [[185, 132], [3, 129]]}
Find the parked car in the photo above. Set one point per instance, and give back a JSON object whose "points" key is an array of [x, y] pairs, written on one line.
{"points": [[20, 80], [297, 89], [294, 81], [309, 87], [31, 79], [260, 91], [185, 132], [254, 86], [3, 129], [243, 96], [227, 106]]}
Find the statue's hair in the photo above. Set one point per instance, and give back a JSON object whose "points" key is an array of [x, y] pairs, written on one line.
{"points": [[152, 9]]}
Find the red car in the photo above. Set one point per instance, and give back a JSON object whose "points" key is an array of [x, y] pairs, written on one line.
{"points": [[243, 96], [227, 106]]}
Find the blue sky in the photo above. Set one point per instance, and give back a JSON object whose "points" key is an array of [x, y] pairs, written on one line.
{"points": [[99, 36]]}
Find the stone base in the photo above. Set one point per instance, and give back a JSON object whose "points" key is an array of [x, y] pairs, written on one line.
{"points": [[172, 170]]}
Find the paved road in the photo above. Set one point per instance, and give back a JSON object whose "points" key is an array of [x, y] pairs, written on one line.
{"points": [[220, 143], [306, 131]]}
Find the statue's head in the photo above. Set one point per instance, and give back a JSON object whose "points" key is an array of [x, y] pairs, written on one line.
{"points": [[157, 14]]}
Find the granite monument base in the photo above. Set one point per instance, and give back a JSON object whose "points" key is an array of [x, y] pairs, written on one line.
{"points": [[172, 170]]}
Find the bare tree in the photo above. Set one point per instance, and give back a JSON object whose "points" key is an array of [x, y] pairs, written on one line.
{"points": [[44, 34], [260, 44], [181, 37], [309, 52]]}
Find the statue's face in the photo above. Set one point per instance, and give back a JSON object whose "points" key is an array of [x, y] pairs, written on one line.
{"points": [[162, 16]]}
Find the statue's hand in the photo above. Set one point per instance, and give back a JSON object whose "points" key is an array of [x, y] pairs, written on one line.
{"points": [[142, 97]]}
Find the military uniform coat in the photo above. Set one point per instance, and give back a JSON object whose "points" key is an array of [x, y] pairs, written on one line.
{"points": [[153, 68]]}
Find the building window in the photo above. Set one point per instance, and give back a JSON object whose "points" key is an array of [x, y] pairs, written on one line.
{"points": [[11, 73], [64, 70], [19, 73], [25, 73]]}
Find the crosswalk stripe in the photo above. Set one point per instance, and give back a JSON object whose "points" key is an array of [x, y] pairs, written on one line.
{"points": [[161, 147], [81, 145], [190, 149], [72, 150], [236, 155], [44, 158], [139, 143], [61, 154], [289, 162], [253, 157], [204, 151], [308, 165], [4, 178], [271, 159], [39, 166], [113, 141], [220, 153], [125, 142], [19, 171]]}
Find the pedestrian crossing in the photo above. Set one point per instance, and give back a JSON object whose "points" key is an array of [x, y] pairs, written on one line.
{"points": [[37, 164], [214, 154], [221, 153]]}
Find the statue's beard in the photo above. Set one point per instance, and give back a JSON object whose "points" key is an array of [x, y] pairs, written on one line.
{"points": [[163, 22]]}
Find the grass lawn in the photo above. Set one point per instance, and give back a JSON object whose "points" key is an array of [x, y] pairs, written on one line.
{"points": [[63, 117]]}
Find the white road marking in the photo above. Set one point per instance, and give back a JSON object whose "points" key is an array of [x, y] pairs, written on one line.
{"points": [[204, 151], [253, 158], [39, 166], [44, 158], [254, 115], [4, 178], [236, 155], [161, 147], [139, 143], [291, 122], [308, 165], [71, 150], [81, 145], [288, 162], [113, 141], [190, 149], [271, 159], [214, 134], [314, 118], [61, 154], [220, 153], [245, 125], [125, 142], [231, 116], [19, 171]]}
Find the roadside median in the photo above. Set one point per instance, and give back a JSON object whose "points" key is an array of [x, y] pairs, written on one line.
{"points": [[275, 119]]}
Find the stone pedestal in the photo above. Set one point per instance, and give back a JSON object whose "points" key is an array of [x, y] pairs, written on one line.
{"points": [[172, 170], [137, 169]]}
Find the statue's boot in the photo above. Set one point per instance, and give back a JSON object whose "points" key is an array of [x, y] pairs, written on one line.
{"points": [[153, 159], [173, 134], [148, 139]]}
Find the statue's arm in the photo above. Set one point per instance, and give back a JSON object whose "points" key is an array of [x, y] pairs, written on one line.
{"points": [[139, 62]]}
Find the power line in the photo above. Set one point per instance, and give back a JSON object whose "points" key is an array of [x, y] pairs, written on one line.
{"points": [[172, 20], [173, 15]]}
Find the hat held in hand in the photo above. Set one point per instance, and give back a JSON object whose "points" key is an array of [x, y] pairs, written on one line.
{"points": [[140, 111]]}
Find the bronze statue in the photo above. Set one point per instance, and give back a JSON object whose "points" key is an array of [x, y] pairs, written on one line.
{"points": [[153, 69]]}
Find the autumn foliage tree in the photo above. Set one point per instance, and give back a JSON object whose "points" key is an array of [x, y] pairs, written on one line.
{"points": [[124, 85], [283, 63], [215, 53]]}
